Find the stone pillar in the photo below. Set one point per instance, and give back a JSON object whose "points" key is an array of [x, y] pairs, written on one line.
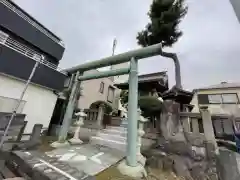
{"points": [[100, 116], [185, 121], [76, 140], [195, 125], [208, 126], [170, 124], [69, 112], [36, 133], [132, 114]]}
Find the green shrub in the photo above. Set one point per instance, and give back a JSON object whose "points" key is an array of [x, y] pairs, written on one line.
{"points": [[149, 105]]}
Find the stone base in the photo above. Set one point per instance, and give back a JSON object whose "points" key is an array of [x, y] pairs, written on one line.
{"points": [[134, 172], [141, 159], [75, 141], [57, 144]]}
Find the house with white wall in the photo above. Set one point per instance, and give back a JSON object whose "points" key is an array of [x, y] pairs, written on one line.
{"points": [[23, 42], [220, 98], [98, 90]]}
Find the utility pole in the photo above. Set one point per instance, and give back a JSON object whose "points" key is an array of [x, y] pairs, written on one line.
{"points": [[113, 52], [114, 46]]}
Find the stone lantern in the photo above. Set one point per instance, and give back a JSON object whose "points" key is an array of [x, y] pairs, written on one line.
{"points": [[141, 121], [76, 139]]}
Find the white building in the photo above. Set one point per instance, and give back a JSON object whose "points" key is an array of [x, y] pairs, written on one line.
{"points": [[23, 41], [220, 99], [38, 102], [98, 90]]}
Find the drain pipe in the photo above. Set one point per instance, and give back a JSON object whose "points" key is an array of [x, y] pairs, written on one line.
{"points": [[174, 57]]}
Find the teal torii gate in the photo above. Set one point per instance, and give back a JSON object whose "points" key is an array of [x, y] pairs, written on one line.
{"points": [[133, 57]]}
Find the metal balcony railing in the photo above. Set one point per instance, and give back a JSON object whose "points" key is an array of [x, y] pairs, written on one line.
{"points": [[9, 42], [38, 26]]}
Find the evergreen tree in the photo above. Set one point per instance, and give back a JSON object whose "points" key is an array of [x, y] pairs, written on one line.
{"points": [[165, 16]]}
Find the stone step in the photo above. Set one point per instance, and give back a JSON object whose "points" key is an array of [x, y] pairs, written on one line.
{"points": [[119, 128], [109, 143], [115, 137], [115, 131]]}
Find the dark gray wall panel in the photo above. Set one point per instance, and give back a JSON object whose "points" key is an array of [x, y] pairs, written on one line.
{"points": [[236, 7], [20, 66], [12, 22]]}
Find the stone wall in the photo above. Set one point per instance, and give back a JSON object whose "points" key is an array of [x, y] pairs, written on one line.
{"points": [[190, 155], [229, 165]]}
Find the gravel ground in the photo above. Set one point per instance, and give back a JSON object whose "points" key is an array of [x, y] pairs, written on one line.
{"points": [[153, 174]]}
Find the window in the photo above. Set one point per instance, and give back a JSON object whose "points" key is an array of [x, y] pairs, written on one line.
{"points": [[110, 96], [223, 98], [230, 98], [203, 99], [214, 99], [101, 89]]}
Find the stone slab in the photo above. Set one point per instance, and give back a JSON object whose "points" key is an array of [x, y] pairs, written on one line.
{"points": [[38, 166], [89, 158], [73, 162], [228, 165], [115, 131], [113, 137], [119, 128], [117, 145]]}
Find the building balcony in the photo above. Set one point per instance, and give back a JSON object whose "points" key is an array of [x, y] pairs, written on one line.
{"points": [[18, 22], [17, 60]]}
